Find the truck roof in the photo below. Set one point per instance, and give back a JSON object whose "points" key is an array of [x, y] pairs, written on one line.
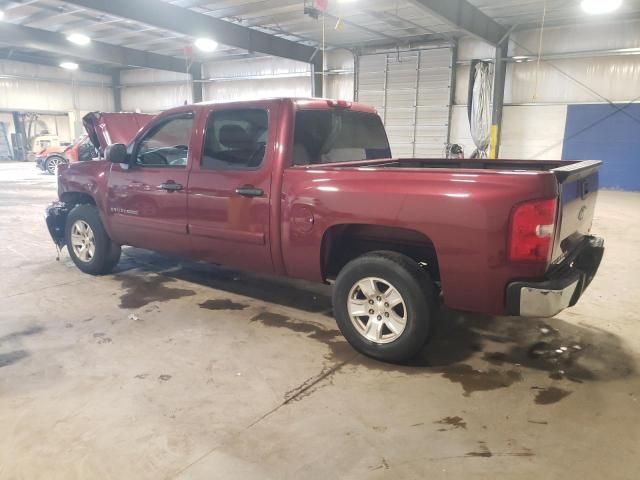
{"points": [[303, 102]]}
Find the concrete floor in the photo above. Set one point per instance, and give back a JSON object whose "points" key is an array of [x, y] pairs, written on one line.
{"points": [[172, 369]]}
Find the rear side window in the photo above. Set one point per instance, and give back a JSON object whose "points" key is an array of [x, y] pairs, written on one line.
{"points": [[330, 136], [235, 139]]}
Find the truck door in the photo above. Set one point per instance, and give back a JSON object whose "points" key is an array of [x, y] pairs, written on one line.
{"points": [[230, 188], [147, 200]]}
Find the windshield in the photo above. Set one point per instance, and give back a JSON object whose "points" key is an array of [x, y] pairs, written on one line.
{"points": [[330, 136]]}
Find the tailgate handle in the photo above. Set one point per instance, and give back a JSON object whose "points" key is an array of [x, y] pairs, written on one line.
{"points": [[249, 191]]}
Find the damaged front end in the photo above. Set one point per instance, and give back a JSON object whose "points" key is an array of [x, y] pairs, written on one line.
{"points": [[56, 217]]}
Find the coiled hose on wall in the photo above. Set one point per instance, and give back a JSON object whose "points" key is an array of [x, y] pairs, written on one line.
{"points": [[479, 106]]}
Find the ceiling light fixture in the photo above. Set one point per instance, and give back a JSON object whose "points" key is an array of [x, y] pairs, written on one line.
{"points": [[78, 39], [206, 44], [69, 65], [1, 14], [599, 7]]}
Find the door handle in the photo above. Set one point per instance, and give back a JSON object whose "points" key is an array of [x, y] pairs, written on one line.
{"points": [[249, 191], [171, 186]]}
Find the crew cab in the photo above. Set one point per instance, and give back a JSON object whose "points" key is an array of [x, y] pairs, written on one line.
{"points": [[308, 188]]}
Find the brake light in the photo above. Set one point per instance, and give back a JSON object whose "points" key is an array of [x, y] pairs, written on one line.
{"points": [[339, 104], [532, 229]]}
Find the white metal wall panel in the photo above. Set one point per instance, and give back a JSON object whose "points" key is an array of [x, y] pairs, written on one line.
{"points": [[411, 91]]}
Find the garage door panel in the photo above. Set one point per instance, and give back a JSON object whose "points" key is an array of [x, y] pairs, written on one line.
{"points": [[411, 92]]}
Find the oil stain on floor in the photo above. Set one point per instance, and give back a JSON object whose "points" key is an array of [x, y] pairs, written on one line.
{"points": [[222, 304], [142, 290], [453, 422], [550, 395]]}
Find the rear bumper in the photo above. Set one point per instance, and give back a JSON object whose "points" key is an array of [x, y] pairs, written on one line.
{"points": [[563, 287]]}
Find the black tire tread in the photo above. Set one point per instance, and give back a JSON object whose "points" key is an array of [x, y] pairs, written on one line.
{"points": [[425, 300], [107, 253]]}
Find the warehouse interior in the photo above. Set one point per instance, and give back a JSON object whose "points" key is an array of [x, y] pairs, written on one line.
{"points": [[172, 368]]}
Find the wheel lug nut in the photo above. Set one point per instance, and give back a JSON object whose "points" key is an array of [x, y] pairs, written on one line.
{"points": [[386, 304], [386, 314], [378, 298], [379, 317], [370, 302], [371, 312]]}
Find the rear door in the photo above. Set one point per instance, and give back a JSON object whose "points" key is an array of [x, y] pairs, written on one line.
{"points": [[147, 199], [230, 188]]}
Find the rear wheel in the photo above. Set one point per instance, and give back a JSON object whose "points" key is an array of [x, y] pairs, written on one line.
{"points": [[51, 163], [89, 246], [384, 304]]}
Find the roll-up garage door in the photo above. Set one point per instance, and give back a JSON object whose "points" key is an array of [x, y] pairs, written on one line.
{"points": [[411, 91]]}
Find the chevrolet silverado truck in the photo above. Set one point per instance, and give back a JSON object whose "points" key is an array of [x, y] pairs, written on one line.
{"points": [[307, 188]]}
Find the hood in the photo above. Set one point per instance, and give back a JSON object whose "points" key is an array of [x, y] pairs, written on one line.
{"points": [[105, 129]]}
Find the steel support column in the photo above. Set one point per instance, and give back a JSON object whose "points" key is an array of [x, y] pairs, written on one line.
{"points": [[116, 87], [317, 79], [499, 77], [196, 83]]}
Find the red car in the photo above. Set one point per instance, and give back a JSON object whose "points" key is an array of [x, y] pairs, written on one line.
{"points": [[49, 158], [307, 188]]}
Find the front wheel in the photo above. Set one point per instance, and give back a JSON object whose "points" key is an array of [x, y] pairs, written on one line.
{"points": [[89, 246], [51, 164], [384, 304]]}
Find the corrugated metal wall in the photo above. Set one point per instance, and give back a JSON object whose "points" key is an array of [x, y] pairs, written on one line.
{"points": [[24, 86], [148, 90], [411, 91], [537, 97]]}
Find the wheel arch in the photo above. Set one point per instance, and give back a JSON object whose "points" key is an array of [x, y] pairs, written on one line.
{"points": [[77, 198], [343, 242]]}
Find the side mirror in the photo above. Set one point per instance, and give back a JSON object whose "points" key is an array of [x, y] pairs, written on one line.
{"points": [[116, 153]]}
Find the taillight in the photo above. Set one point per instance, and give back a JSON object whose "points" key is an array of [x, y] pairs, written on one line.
{"points": [[532, 229]]}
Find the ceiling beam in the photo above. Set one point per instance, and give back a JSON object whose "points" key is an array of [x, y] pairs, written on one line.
{"points": [[56, 43], [465, 17], [182, 20], [10, 54]]}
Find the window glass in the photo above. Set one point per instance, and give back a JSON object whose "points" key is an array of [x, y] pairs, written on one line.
{"points": [[235, 139], [168, 145], [329, 136]]}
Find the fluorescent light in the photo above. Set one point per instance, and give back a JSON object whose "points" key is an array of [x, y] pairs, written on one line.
{"points": [[1, 14], [69, 65], [598, 7], [206, 44], [78, 39]]}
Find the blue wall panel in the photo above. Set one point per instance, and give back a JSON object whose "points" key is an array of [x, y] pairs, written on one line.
{"points": [[600, 132]]}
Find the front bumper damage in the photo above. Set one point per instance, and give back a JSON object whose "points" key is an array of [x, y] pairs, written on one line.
{"points": [[56, 218], [563, 286]]}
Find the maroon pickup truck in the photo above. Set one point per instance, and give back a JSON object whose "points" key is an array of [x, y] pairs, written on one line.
{"points": [[307, 188]]}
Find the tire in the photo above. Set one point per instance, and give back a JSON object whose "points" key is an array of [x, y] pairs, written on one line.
{"points": [[376, 271], [52, 162], [99, 255]]}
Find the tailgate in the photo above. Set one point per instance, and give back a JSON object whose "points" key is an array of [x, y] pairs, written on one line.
{"points": [[578, 186]]}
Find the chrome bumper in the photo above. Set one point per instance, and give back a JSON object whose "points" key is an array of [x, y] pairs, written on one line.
{"points": [[563, 287]]}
